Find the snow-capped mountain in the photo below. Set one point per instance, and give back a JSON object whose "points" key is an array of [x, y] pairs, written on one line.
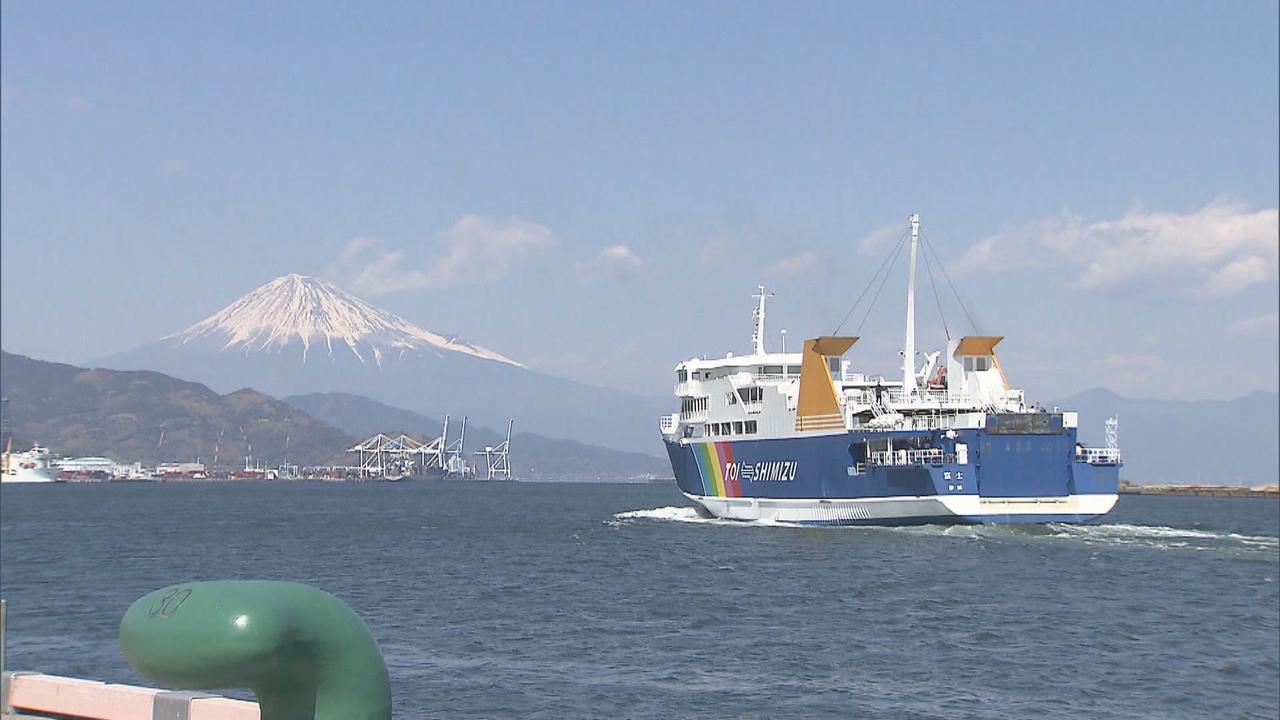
{"points": [[298, 335], [300, 309]]}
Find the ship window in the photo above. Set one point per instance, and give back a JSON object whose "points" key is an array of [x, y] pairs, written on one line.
{"points": [[977, 363], [751, 427], [751, 394], [793, 369], [772, 369], [737, 427], [731, 399], [682, 375]]}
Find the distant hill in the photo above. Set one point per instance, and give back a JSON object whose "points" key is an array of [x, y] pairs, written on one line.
{"points": [[531, 454], [149, 417], [1228, 442]]}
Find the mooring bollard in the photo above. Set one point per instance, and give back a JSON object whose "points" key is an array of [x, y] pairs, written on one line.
{"points": [[303, 652]]}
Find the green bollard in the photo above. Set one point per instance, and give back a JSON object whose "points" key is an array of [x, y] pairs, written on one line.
{"points": [[303, 652]]}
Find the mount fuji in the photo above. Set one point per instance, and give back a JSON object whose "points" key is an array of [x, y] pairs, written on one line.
{"points": [[298, 335]]}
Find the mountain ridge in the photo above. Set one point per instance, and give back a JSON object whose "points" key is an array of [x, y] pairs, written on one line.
{"points": [[1227, 442], [258, 341], [146, 416], [149, 417]]}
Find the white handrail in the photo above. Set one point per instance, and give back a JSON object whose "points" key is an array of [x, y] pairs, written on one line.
{"points": [[1099, 456]]}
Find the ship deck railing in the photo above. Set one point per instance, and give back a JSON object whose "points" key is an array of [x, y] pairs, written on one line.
{"points": [[923, 421], [929, 398], [927, 456], [1099, 456]]}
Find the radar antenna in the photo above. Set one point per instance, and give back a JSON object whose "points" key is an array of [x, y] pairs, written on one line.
{"points": [[757, 335]]}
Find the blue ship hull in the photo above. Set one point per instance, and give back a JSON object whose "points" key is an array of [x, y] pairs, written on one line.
{"points": [[828, 479]]}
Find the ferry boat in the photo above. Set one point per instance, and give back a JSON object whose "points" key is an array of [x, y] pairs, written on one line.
{"points": [[28, 466], [803, 438]]}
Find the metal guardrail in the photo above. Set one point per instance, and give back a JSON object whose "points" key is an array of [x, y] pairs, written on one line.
{"points": [[930, 456], [66, 697], [1099, 456]]}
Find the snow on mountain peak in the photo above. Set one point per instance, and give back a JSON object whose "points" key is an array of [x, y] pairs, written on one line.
{"points": [[316, 312]]}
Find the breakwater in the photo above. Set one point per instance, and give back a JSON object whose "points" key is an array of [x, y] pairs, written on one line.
{"points": [[1267, 491]]}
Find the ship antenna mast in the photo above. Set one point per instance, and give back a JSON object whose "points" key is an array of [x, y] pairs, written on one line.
{"points": [[909, 345], [757, 336]]}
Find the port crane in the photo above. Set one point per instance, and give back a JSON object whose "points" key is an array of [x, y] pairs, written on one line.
{"points": [[497, 460]]}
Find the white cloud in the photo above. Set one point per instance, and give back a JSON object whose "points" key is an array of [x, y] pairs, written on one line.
{"points": [[880, 241], [366, 267], [796, 265], [619, 259], [480, 250], [621, 256], [1265, 325], [615, 261], [1218, 250], [1237, 275], [485, 250]]}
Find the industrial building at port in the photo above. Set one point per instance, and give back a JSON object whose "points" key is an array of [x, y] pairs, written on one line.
{"points": [[380, 457]]}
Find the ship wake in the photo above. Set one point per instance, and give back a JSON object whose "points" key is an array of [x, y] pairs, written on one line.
{"points": [[684, 514], [1113, 534]]}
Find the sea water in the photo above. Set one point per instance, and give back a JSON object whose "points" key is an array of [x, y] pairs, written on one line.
{"points": [[518, 600]]}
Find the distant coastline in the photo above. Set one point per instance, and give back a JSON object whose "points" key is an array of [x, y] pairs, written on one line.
{"points": [[1268, 491]]}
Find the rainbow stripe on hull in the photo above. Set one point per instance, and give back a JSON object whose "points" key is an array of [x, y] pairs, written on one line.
{"points": [[712, 459]]}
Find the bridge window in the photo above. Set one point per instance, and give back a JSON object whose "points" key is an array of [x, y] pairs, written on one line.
{"points": [[751, 394], [977, 363]]}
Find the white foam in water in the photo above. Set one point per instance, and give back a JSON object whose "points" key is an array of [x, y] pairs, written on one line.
{"points": [[1111, 534], [1162, 536], [687, 515], [670, 514], [1139, 531]]}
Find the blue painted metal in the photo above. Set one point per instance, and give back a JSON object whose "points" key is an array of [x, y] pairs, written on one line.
{"points": [[1002, 464]]}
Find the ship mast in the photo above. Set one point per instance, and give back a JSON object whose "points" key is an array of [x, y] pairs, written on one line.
{"points": [[757, 336], [909, 345]]}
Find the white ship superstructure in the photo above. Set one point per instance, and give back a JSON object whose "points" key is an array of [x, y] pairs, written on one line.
{"points": [[26, 466]]}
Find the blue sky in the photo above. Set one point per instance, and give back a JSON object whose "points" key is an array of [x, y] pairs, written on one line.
{"points": [[596, 189]]}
